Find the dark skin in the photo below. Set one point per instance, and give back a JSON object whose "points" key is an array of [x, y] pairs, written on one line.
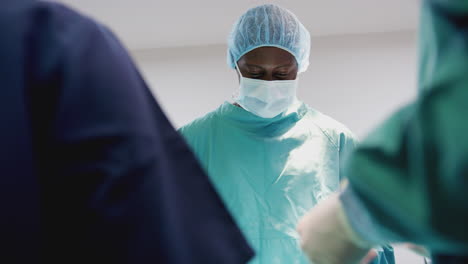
{"points": [[268, 64]]}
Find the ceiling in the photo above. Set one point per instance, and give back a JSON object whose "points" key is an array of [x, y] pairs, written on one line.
{"points": [[146, 24]]}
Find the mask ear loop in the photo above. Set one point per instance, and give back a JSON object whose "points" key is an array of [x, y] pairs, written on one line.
{"points": [[236, 93], [238, 70]]}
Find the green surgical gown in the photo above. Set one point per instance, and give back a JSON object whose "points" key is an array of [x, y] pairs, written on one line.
{"points": [[409, 178], [270, 172]]}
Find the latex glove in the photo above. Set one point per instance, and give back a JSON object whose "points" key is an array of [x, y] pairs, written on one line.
{"points": [[327, 238], [371, 255]]}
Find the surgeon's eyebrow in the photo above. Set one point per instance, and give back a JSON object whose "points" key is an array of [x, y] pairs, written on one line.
{"points": [[253, 65], [286, 65]]}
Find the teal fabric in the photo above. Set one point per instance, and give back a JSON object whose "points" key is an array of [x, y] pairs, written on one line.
{"points": [[409, 178], [270, 172]]}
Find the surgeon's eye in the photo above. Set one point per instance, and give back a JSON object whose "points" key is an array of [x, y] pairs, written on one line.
{"points": [[281, 75], [255, 75]]}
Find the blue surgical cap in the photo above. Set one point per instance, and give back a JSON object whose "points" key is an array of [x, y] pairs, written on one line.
{"points": [[269, 26]]}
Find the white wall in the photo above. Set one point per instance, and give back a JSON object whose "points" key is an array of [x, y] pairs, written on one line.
{"points": [[357, 79]]}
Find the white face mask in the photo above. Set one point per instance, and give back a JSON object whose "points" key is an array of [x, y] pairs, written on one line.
{"points": [[266, 99]]}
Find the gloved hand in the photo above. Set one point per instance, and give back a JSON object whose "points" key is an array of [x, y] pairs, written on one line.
{"points": [[327, 238]]}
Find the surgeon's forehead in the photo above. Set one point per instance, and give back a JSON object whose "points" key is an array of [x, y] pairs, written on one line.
{"points": [[268, 55]]}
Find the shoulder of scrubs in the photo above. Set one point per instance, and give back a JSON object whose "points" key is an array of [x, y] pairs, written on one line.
{"points": [[337, 133], [198, 124], [195, 132], [119, 184], [408, 179]]}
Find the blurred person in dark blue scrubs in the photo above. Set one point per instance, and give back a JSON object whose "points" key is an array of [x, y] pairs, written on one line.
{"points": [[90, 168]]}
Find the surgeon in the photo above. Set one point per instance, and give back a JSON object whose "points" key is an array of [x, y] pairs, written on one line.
{"points": [[408, 181], [270, 156], [91, 171]]}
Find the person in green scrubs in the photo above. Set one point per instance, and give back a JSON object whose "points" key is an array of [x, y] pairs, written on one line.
{"points": [[270, 156], [408, 180]]}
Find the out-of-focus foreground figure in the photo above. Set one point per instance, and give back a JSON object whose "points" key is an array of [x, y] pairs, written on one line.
{"points": [[90, 168], [408, 179]]}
